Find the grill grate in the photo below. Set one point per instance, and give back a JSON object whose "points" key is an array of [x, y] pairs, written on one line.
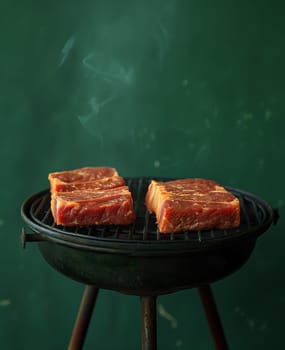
{"points": [[255, 215]]}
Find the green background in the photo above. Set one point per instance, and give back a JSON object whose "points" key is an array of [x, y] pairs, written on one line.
{"points": [[153, 88]]}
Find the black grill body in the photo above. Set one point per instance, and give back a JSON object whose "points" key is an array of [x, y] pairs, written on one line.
{"points": [[137, 259]]}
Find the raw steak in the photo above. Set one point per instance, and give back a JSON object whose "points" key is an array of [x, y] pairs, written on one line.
{"points": [[90, 196], [83, 178], [87, 207], [192, 204]]}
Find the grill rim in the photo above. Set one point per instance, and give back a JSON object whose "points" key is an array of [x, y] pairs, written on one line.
{"points": [[138, 247]]}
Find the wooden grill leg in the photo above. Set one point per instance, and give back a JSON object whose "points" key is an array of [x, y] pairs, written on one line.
{"points": [[213, 318], [83, 318], [149, 341]]}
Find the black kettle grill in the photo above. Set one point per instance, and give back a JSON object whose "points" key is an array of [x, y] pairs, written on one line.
{"points": [[138, 260]]}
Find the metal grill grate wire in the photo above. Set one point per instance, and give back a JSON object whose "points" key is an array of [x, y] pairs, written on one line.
{"points": [[253, 214]]}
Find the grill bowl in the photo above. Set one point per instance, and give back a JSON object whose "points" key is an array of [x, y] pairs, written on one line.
{"points": [[138, 259]]}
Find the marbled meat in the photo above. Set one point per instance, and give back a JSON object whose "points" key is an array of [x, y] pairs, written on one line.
{"points": [[84, 178], [192, 204], [113, 206], [90, 196]]}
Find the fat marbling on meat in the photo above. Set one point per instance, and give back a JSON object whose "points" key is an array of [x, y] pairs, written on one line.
{"points": [[113, 206], [84, 178], [90, 196], [192, 204]]}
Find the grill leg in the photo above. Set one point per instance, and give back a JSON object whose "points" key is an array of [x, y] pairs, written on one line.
{"points": [[83, 318], [148, 304], [214, 321]]}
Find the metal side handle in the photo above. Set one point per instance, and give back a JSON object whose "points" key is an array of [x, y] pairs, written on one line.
{"points": [[275, 215], [29, 237]]}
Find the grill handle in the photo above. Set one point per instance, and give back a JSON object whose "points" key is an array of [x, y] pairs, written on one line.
{"points": [[29, 237], [275, 215]]}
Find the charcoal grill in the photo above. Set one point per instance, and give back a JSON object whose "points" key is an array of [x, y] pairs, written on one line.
{"points": [[138, 260]]}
